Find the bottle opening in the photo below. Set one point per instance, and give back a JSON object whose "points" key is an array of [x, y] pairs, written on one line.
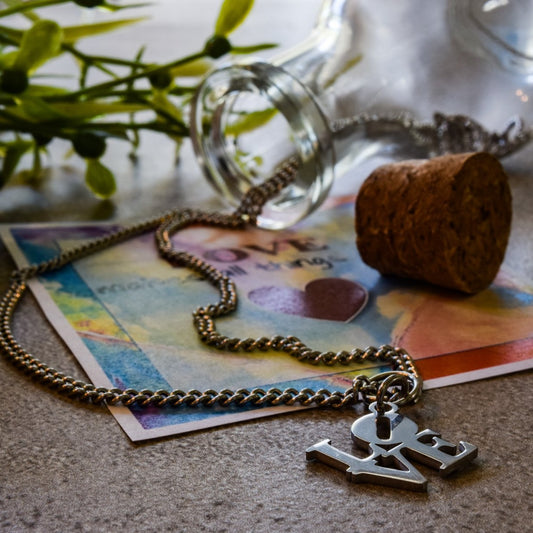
{"points": [[247, 120]]}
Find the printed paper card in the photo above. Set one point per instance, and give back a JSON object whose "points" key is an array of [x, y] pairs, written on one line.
{"points": [[126, 314]]}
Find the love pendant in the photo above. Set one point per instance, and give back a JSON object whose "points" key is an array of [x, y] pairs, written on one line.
{"points": [[392, 439]]}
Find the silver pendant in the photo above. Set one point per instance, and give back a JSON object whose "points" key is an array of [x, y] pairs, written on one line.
{"points": [[392, 439]]}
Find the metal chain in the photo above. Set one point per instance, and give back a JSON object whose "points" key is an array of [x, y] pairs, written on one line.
{"points": [[403, 384], [446, 134], [363, 388]]}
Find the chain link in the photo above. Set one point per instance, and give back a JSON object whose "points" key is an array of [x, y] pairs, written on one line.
{"points": [[363, 388], [446, 134]]}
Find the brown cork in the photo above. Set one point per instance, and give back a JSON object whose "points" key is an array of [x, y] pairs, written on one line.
{"points": [[445, 220]]}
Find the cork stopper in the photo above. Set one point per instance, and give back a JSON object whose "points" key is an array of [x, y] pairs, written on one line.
{"points": [[445, 220]]}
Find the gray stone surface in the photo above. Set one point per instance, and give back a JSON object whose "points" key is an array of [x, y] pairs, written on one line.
{"points": [[66, 467], [69, 467]]}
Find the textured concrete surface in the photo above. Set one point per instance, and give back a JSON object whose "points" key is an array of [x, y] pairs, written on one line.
{"points": [[69, 467], [66, 467]]}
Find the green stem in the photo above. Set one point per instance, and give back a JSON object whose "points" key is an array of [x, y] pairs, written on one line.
{"points": [[36, 168], [88, 60], [176, 128], [158, 110], [132, 77], [126, 95], [29, 5], [180, 90], [18, 125], [66, 130], [117, 61], [93, 60]]}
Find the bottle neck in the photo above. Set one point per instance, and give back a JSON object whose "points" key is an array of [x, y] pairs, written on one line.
{"points": [[247, 120], [317, 60]]}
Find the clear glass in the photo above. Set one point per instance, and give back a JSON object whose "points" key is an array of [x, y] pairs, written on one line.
{"points": [[501, 30], [364, 58]]}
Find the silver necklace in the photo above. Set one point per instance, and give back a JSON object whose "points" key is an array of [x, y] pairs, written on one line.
{"points": [[165, 226], [390, 438]]}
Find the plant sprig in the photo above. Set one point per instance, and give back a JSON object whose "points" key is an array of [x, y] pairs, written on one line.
{"points": [[33, 115]]}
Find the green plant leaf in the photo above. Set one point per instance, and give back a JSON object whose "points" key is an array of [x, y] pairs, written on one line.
{"points": [[71, 34], [232, 14], [198, 67], [31, 15], [116, 130], [115, 7], [99, 179], [163, 104], [250, 121], [7, 59], [44, 90], [35, 109], [12, 156], [40, 43], [252, 49]]}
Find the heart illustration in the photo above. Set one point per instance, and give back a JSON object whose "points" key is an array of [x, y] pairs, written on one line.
{"points": [[326, 299]]}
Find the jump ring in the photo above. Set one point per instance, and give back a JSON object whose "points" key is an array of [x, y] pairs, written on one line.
{"points": [[381, 395]]}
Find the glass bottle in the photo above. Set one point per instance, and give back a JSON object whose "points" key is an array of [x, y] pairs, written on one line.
{"points": [[367, 82], [500, 30]]}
